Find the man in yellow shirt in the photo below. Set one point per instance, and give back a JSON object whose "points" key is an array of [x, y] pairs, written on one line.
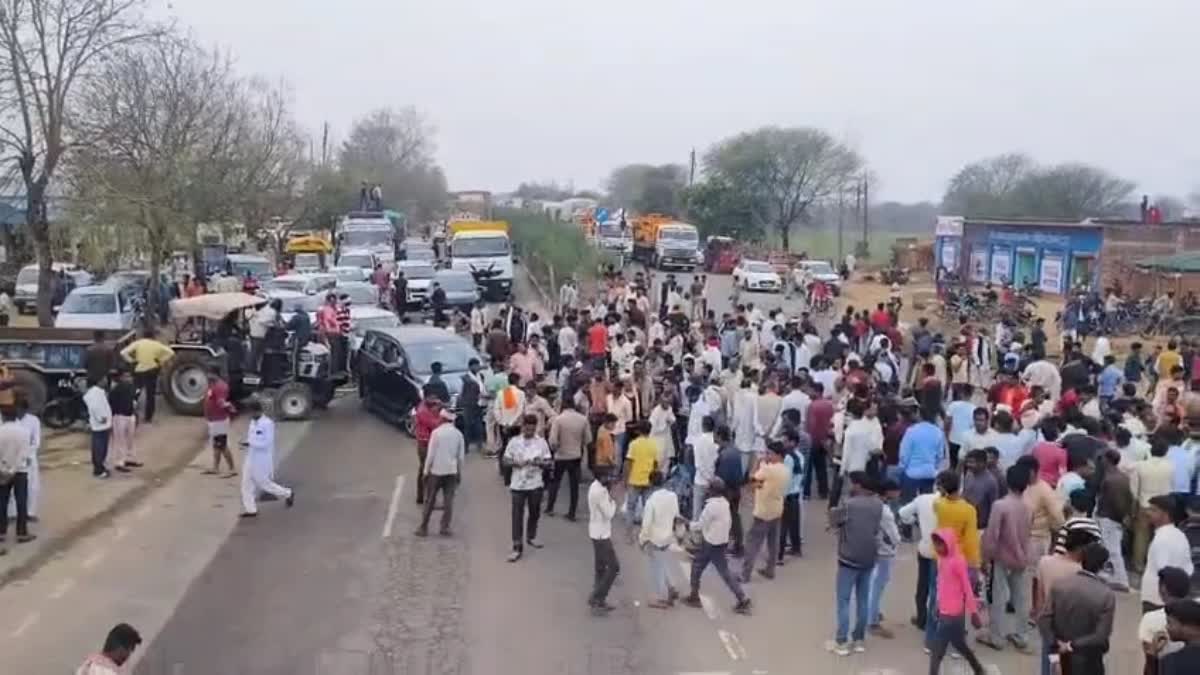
{"points": [[640, 462], [147, 356], [1168, 360], [958, 514], [770, 482]]}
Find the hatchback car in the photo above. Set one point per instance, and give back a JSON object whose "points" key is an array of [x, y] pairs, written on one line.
{"points": [[395, 363]]}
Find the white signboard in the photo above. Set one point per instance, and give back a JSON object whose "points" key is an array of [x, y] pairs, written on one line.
{"points": [[1001, 265], [948, 226], [1051, 280], [979, 270], [949, 255]]}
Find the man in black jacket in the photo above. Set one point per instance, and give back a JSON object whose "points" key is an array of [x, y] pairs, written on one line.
{"points": [[469, 402]]}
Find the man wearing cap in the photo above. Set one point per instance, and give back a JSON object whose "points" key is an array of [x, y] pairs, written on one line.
{"points": [[442, 471], [258, 465]]}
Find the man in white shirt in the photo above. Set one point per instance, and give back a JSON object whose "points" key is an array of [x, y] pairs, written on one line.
{"points": [[1169, 548], [704, 452], [478, 324], [920, 512], [263, 319], [862, 439], [15, 452], [797, 399], [447, 450], [1043, 374], [119, 645], [981, 436], [34, 426], [657, 533], [527, 455], [258, 465], [100, 422], [714, 524], [601, 509]]}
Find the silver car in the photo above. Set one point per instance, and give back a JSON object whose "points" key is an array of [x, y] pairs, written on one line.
{"points": [[461, 290]]}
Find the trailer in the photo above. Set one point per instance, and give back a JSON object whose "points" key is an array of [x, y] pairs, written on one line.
{"points": [[40, 358]]}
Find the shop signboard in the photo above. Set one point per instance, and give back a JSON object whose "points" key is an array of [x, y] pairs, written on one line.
{"points": [[1051, 278], [1001, 265], [979, 264]]}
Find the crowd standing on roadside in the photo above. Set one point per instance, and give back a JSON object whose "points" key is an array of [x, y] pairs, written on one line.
{"points": [[1026, 481]]}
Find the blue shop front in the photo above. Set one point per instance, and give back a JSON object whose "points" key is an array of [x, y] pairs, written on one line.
{"points": [[1053, 256]]}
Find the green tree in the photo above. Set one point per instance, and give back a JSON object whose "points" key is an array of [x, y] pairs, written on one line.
{"points": [[987, 187], [717, 208], [646, 188], [394, 148], [1071, 190], [783, 171]]}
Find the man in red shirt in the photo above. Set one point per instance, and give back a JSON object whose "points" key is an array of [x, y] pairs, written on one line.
{"points": [[597, 340], [880, 319], [217, 410], [427, 417], [819, 425]]}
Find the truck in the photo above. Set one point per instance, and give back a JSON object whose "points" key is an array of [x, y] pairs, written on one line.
{"points": [[49, 363], [663, 242], [614, 237], [369, 231], [483, 248]]}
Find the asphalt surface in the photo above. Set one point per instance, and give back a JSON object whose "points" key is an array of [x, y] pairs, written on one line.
{"points": [[339, 584]]}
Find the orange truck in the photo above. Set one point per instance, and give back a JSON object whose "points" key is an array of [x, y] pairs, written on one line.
{"points": [[663, 242]]}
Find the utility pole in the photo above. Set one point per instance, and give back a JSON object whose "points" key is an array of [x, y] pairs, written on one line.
{"points": [[692, 168], [841, 222], [324, 144], [866, 213]]}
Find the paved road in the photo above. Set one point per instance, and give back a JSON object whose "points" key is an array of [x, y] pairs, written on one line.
{"points": [[325, 588]]}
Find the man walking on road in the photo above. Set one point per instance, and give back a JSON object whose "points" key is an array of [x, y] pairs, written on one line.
{"points": [[601, 509], [570, 433], [258, 465], [857, 522], [526, 455], [714, 524], [770, 481], [441, 471]]}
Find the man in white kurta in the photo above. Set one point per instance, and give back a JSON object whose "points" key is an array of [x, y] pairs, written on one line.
{"points": [[662, 421], [34, 425], [745, 428], [258, 465]]}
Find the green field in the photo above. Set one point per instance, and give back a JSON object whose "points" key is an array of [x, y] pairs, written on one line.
{"points": [[823, 243]]}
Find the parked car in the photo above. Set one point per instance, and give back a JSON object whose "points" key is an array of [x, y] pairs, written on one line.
{"points": [[301, 283], [109, 306], [756, 275], [25, 297], [462, 292], [361, 293], [823, 270], [258, 266], [395, 363], [349, 273], [360, 258], [419, 275]]}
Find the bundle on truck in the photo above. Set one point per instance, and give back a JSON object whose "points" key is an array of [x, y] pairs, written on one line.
{"points": [[483, 248], [663, 242]]}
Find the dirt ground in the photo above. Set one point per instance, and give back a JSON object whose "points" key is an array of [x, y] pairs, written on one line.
{"points": [[920, 299]]}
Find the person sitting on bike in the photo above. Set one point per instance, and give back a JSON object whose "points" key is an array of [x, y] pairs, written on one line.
{"points": [[1164, 305], [819, 294], [989, 293]]}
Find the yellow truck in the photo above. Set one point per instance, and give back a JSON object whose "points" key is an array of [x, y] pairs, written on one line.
{"points": [[662, 242]]}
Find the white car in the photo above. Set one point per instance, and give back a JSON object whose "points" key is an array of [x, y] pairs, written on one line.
{"points": [[350, 273], [419, 274], [301, 283], [755, 275], [111, 306], [822, 270]]}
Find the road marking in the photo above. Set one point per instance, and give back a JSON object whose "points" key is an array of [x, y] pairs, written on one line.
{"points": [[94, 559], [733, 646], [62, 588], [393, 507], [30, 619]]}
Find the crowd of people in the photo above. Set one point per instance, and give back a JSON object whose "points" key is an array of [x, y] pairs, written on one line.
{"points": [[1031, 485]]}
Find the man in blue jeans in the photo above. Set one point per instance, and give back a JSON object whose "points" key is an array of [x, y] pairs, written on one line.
{"points": [[856, 522], [922, 451]]}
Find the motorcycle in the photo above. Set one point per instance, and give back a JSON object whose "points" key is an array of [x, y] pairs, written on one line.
{"points": [[894, 275], [66, 406]]}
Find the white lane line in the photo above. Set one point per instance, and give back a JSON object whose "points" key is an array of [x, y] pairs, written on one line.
{"points": [[61, 589], [733, 646], [393, 507], [30, 619], [94, 559]]}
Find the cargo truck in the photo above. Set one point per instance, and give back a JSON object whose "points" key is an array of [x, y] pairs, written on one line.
{"points": [[663, 242], [483, 248]]}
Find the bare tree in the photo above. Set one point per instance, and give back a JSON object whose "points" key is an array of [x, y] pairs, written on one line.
{"points": [[159, 123], [784, 171], [985, 188], [47, 49]]}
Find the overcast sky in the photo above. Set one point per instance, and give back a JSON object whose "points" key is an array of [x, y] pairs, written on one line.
{"points": [[569, 89]]}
